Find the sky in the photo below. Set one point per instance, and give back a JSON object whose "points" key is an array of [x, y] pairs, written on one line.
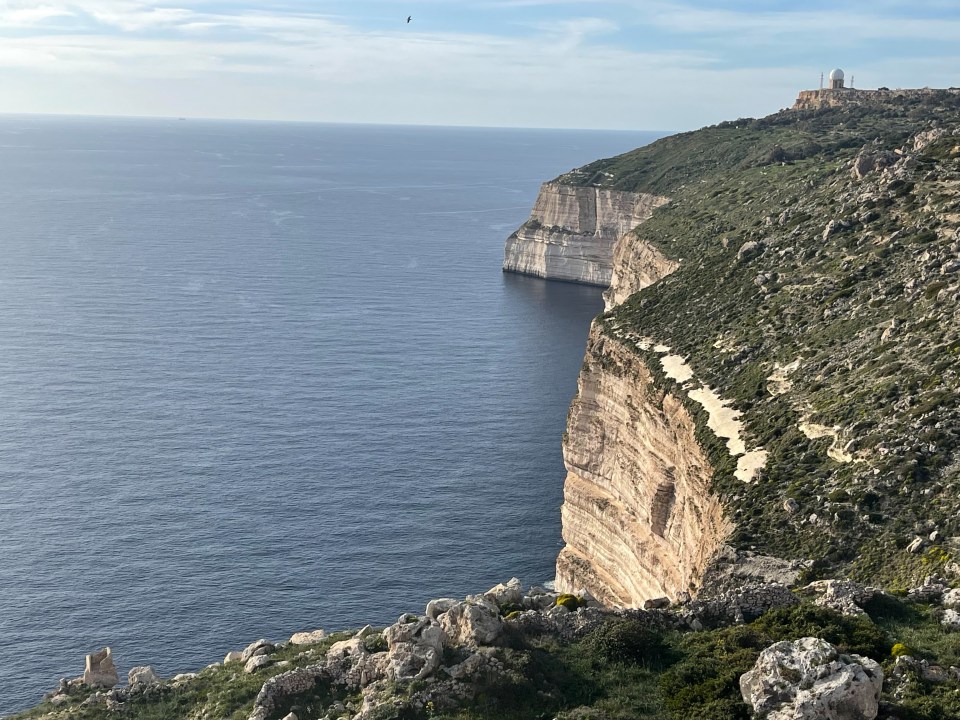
{"points": [[606, 64]]}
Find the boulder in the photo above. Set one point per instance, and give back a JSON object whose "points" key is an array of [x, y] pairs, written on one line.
{"points": [[414, 648], [260, 647], [353, 647], [509, 593], [810, 679], [233, 656], [749, 249], [656, 603], [950, 619], [142, 675], [257, 662], [308, 637], [100, 670], [472, 625], [951, 598], [436, 608], [916, 545]]}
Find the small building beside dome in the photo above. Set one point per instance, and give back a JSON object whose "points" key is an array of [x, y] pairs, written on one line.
{"points": [[836, 79]]}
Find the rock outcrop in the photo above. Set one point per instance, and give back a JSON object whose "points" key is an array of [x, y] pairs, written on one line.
{"points": [[639, 520], [572, 231], [809, 678]]}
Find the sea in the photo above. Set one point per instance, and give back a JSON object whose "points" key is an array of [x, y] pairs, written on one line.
{"points": [[257, 378]]}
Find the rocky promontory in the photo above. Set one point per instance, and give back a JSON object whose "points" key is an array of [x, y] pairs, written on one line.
{"points": [[572, 232]]}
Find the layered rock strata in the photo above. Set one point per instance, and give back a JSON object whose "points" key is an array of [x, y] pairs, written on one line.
{"points": [[636, 264], [639, 520], [572, 231]]}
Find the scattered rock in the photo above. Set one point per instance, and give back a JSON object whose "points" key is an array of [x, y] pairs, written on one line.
{"points": [[142, 675], [916, 545], [100, 670], [256, 663], [308, 637], [233, 656], [260, 647], [791, 505], [867, 162], [749, 249], [951, 598], [656, 603], [809, 678]]}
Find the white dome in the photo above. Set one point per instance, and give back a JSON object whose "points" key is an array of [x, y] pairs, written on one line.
{"points": [[836, 74]]}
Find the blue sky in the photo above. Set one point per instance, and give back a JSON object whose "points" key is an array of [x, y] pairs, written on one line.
{"points": [[629, 64]]}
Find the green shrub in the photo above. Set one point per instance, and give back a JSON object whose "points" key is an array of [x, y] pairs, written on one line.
{"points": [[570, 602], [625, 641], [901, 650]]}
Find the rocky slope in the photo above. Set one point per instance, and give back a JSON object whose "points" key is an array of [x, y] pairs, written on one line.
{"points": [[572, 231]]}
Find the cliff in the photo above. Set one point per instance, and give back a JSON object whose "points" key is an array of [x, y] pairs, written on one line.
{"points": [[572, 231], [776, 372], [639, 518]]}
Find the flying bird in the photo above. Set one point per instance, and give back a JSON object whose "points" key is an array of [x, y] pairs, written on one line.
{"points": [[409, 18]]}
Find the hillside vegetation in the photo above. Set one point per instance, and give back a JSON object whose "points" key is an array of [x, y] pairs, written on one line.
{"points": [[818, 285]]}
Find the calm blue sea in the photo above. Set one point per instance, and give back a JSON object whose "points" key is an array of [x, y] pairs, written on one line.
{"points": [[258, 378]]}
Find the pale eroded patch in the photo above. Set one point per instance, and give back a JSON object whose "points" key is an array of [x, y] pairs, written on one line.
{"points": [[779, 381], [722, 419], [836, 451]]}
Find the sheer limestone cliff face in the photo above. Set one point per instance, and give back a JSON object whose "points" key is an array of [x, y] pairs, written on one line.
{"points": [[636, 264], [572, 231], [639, 520]]}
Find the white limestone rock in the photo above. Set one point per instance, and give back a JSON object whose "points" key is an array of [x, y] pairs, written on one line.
{"points": [[951, 598], [256, 663], [260, 647], [142, 675], [100, 670], [573, 230], [509, 593], [353, 647], [844, 596], [808, 679], [233, 656], [470, 624], [414, 648], [950, 619], [308, 637], [436, 608]]}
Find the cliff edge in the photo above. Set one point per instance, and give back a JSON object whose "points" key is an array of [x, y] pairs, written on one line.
{"points": [[786, 380], [572, 231]]}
